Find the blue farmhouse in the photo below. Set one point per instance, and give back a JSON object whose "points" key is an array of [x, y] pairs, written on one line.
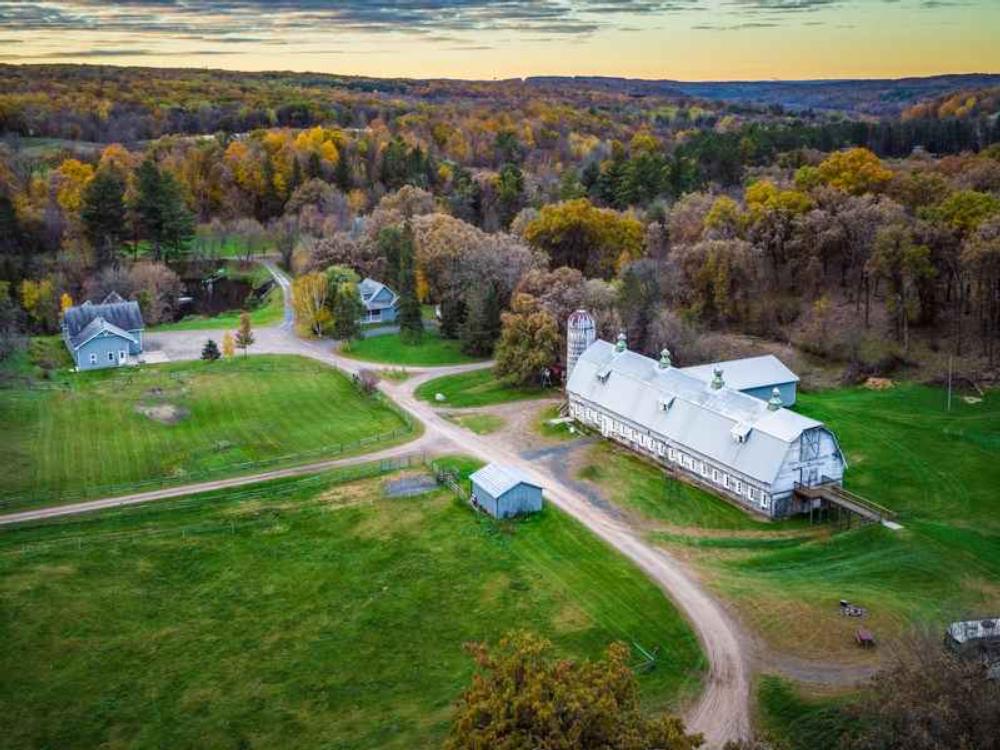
{"points": [[104, 335], [380, 302], [503, 491]]}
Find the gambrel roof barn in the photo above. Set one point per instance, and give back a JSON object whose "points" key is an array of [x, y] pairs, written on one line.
{"points": [[752, 450]]}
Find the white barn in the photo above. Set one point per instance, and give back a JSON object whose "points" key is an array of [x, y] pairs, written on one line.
{"points": [[753, 451]]}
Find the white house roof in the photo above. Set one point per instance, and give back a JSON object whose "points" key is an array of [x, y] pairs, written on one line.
{"points": [[724, 425], [497, 479], [369, 289], [751, 372], [95, 328]]}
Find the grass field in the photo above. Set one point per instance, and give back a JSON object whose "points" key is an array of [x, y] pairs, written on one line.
{"points": [[940, 471], [298, 614], [388, 349], [175, 423], [642, 487], [799, 723], [481, 424], [476, 388]]}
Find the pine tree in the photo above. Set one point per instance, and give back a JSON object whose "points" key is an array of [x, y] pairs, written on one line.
{"points": [[244, 336], [159, 205], [103, 215], [342, 176], [482, 321], [411, 324], [210, 352]]}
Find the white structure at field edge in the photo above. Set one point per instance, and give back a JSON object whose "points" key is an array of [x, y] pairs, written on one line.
{"points": [[751, 450]]}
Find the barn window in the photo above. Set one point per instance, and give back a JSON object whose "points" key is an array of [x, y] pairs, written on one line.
{"points": [[93, 359], [715, 475], [753, 493], [111, 356]]}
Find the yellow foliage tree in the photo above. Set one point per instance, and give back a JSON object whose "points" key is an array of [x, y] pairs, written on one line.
{"points": [[310, 294], [71, 178], [856, 171], [65, 302], [228, 344]]}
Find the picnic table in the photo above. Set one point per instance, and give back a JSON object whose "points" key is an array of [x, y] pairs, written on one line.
{"points": [[864, 638]]}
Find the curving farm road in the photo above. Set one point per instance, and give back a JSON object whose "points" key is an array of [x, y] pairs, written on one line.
{"points": [[722, 712]]}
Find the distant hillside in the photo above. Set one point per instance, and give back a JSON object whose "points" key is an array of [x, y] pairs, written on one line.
{"points": [[869, 97]]}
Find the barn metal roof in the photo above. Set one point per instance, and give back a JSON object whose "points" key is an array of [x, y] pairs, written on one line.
{"points": [[975, 630], [124, 315], [498, 479], [725, 425], [750, 372]]}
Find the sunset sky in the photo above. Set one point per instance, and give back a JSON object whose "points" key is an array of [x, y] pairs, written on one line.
{"points": [[485, 39]]}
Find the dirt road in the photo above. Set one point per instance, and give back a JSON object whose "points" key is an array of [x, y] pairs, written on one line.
{"points": [[722, 713]]}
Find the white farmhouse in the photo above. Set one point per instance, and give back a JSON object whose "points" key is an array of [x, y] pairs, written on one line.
{"points": [[753, 451]]}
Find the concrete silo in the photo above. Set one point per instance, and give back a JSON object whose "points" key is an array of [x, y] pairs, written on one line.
{"points": [[581, 332]]}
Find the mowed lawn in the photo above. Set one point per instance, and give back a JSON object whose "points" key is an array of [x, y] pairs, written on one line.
{"points": [[388, 349], [476, 388], [267, 314], [299, 614], [176, 423], [940, 471]]}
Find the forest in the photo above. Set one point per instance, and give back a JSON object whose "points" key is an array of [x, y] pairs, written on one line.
{"points": [[870, 242]]}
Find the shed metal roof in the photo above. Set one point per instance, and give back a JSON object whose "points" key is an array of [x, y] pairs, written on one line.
{"points": [[670, 402], [750, 372], [124, 315], [498, 479]]}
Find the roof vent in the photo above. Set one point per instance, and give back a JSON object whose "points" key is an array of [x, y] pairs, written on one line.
{"points": [[717, 381], [666, 402], [664, 359], [622, 344], [774, 403], [740, 432], [604, 373]]}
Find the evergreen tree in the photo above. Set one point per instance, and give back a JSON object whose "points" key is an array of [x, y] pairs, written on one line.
{"points": [[411, 324], [482, 321], [103, 215], [210, 352], [159, 205], [342, 176], [452, 316], [511, 193]]}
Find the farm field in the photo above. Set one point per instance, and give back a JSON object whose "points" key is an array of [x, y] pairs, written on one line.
{"points": [[388, 349], [476, 388], [302, 613], [940, 472], [101, 433]]}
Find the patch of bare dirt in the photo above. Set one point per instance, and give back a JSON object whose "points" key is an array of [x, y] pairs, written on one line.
{"points": [[163, 413]]}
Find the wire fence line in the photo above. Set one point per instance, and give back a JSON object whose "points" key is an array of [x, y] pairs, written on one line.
{"points": [[88, 537]]}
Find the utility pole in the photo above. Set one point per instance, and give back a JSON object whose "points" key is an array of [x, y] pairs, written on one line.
{"points": [[949, 381]]}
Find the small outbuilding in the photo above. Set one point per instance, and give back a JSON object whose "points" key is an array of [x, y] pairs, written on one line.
{"points": [[503, 491]]}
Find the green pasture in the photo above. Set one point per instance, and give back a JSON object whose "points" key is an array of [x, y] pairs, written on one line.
{"points": [[100, 433], [388, 349], [300, 613], [476, 388]]}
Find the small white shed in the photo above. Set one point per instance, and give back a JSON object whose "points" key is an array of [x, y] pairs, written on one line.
{"points": [[503, 491]]}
